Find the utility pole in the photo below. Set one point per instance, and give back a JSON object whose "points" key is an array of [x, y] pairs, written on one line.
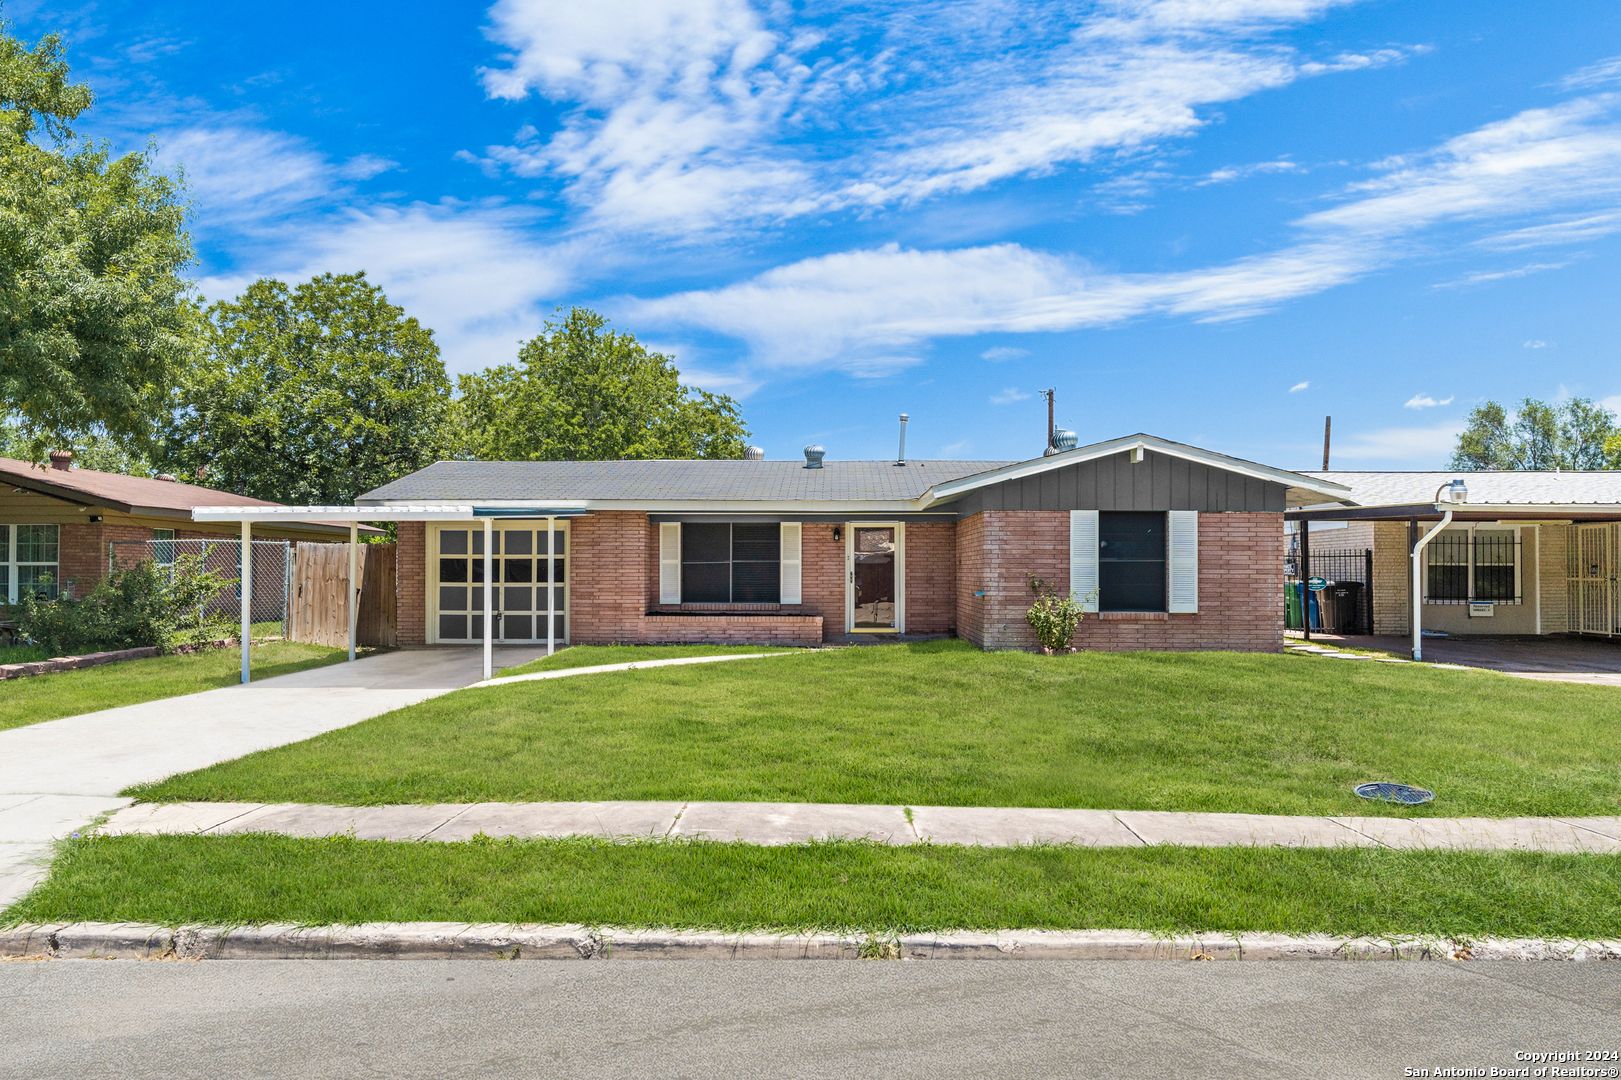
{"points": [[1328, 426]]}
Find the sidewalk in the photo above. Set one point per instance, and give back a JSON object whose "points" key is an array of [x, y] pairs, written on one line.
{"points": [[788, 823]]}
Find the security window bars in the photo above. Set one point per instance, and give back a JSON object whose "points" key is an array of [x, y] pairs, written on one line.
{"points": [[731, 564], [1473, 566], [29, 562]]}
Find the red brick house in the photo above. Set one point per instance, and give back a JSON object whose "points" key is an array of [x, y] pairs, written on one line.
{"points": [[59, 525], [1177, 548]]}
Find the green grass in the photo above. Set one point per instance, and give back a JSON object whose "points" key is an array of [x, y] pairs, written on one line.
{"points": [[234, 880], [69, 693], [591, 655], [24, 654], [941, 723]]}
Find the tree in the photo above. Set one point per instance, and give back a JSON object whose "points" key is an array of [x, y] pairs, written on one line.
{"points": [[96, 321], [580, 392], [1578, 434], [309, 395]]}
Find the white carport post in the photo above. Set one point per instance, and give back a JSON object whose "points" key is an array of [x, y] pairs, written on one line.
{"points": [[551, 586], [489, 593], [245, 586], [354, 584]]}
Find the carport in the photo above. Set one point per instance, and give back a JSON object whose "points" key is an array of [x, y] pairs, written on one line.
{"points": [[246, 516]]}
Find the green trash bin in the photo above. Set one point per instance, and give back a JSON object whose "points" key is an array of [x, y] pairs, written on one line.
{"points": [[1291, 613]]}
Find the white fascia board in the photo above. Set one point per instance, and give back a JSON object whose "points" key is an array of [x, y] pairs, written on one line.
{"points": [[1037, 466], [748, 506], [274, 514]]}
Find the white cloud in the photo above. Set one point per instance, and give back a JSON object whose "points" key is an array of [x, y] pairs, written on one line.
{"points": [[366, 166], [1009, 395], [1480, 277], [1535, 344], [1299, 386], [472, 273], [1605, 71], [1613, 403], [1001, 353], [1424, 401], [1417, 445], [846, 307], [469, 274], [1569, 231], [1241, 172], [688, 114]]}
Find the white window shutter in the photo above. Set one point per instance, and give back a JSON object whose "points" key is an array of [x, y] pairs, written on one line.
{"points": [[791, 562], [1083, 557], [669, 562], [1182, 546]]}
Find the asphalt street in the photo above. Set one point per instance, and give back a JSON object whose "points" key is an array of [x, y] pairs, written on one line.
{"points": [[89, 1019]]}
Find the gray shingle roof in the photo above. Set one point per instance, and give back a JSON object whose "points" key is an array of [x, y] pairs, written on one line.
{"points": [[1493, 488], [674, 481]]}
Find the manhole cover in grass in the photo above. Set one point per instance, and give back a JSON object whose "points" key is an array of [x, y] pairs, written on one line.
{"points": [[1397, 793]]}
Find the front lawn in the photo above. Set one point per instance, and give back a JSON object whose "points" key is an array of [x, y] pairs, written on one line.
{"points": [[233, 880], [941, 723], [574, 656], [69, 693]]}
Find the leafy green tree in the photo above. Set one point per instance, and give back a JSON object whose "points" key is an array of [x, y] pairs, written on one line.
{"points": [[94, 449], [581, 392], [309, 395], [96, 321], [1578, 434]]}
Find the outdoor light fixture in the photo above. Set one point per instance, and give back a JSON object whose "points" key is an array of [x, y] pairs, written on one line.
{"points": [[1456, 492]]}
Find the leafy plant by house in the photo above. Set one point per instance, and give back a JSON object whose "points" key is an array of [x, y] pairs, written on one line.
{"points": [[142, 606], [1054, 618]]}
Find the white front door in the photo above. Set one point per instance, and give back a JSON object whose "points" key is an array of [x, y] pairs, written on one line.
{"points": [[529, 563]]}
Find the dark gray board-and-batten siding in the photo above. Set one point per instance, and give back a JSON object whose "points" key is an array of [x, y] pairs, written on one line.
{"points": [[1158, 482]]}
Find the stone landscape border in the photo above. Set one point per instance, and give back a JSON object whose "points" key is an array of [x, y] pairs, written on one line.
{"points": [[461, 941]]}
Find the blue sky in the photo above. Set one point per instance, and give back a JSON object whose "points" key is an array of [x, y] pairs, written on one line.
{"points": [[1215, 221]]}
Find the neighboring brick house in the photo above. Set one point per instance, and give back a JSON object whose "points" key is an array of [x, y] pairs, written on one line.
{"points": [[1174, 547], [63, 526], [1525, 553]]}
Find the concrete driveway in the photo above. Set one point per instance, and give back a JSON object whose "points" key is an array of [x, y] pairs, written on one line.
{"points": [[1560, 659], [59, 775]]}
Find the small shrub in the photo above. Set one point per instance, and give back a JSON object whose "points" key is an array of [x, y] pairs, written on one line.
{"points": [[142, 606], [1054, 618]]}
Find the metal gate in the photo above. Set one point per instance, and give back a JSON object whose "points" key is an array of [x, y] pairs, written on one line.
{"points": [[272, 574], [1590, 578], [1345, 606]]}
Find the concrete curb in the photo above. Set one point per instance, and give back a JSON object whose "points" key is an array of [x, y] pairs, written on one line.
{"points": [[490, 941], [634, 665]]}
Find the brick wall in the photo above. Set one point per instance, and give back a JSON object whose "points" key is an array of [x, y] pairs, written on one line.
{"points": [[931, 577], [1552, 591], [608, 576], [970, 573], [1240, 585], [741, 629], [411, 582], [1392, 579]]}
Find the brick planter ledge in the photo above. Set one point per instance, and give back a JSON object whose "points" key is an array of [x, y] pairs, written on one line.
{"points": [[73, 663]]}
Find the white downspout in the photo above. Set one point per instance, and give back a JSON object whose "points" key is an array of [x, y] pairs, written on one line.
{"points": [[1418, 583], [489, 591]]}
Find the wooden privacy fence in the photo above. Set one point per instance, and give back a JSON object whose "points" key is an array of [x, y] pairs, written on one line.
{"points": [[319, 602]]}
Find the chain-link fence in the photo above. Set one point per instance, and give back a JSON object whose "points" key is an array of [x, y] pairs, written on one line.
{"points": [[272, 575]]}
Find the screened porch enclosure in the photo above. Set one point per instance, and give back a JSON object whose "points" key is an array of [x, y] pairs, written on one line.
{"points": [[529, 568]]}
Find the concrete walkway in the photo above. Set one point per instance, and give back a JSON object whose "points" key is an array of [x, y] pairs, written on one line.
{"points": [[1556, 659], [787, 823], [58, 775]]}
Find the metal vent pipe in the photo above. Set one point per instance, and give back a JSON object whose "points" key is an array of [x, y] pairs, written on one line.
{"points": [[901, 458]]}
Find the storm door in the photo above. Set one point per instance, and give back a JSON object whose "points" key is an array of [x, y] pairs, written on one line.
{"points": [[527, 562], [874, 577]]}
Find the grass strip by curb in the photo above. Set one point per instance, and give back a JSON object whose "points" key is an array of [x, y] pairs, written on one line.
{"points": [[832, 886]]}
